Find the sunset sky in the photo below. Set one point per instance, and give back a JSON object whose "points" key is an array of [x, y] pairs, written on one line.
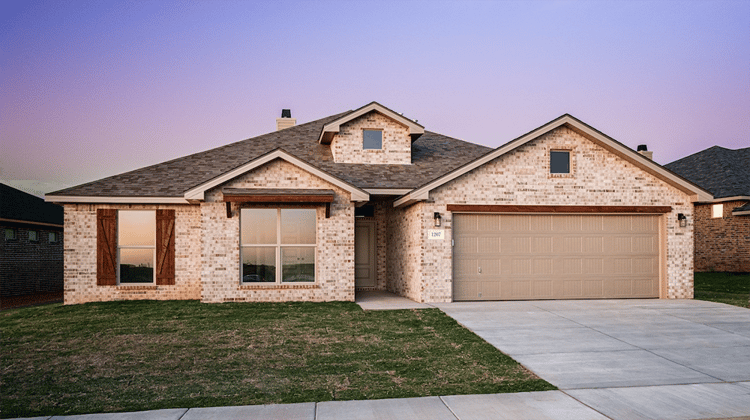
{"points": [[93, 89]]}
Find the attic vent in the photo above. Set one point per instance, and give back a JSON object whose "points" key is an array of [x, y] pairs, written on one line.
{"points": [[286, 120]]}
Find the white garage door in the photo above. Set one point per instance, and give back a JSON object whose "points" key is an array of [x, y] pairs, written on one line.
{"points": [[543, 256]]}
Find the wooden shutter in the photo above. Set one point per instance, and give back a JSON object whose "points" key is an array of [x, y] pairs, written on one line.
{"points": [[165, 247], [106, 247]]}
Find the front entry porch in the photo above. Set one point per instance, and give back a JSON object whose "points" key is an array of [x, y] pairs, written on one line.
{"points": [[378, 300]]}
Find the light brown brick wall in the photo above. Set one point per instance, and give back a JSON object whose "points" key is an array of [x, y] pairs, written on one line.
{"points": [[522, 177], [346, 146], [334, 260], [722, 244], [405, 252], [80, 257]]}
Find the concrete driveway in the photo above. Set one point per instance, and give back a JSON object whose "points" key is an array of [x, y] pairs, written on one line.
{"points": [[668, 358]]}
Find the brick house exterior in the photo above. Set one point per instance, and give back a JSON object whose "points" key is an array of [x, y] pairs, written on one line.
{"points": [[722, 225], [31, 246], [367, 200]]}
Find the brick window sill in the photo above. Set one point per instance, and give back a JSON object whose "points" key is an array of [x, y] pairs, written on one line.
{"points": [[277, 286], [128, 287]]}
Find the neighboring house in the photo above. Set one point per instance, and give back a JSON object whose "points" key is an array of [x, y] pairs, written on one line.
{"points": [[370, 200], [31, 251], [722, 225]]}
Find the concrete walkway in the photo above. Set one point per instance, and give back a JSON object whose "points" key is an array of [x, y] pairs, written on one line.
{"points": [[530, 405], [377, 300]]}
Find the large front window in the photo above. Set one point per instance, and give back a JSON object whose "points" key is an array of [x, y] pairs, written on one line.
{"points": [[136, 246], [277, 245]]}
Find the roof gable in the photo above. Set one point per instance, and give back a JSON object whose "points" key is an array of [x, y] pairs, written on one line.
{"points": [[198, 192], [333, 127], [610, 144]]}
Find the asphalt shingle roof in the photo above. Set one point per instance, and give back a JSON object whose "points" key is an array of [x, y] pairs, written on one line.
{"points": [[723, 172], [18, 205], [432, 156]]}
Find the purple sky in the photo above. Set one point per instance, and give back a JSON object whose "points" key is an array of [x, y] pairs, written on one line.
{"points": [[92, 89]]}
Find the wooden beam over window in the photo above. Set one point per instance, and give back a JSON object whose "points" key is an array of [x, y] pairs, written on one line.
{"points": [[278, 196], [482, 208]]}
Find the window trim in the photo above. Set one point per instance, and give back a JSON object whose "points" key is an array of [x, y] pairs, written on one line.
{"points": [[153, 253], [719, 207], [570, 166], [278, 246], [380, 130]]}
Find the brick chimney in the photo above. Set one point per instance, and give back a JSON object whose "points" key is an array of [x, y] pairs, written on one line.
{"points": [[286, 120], [643, 149]]}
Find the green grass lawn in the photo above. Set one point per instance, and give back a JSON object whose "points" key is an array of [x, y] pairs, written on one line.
{"points": [[731, 288], [143, 355]]}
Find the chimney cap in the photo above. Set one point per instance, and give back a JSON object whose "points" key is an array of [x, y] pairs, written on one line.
{"points": [[286, 113], [642, 148]]}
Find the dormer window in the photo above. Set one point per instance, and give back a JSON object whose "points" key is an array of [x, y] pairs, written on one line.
{"points": [[372, 139]]}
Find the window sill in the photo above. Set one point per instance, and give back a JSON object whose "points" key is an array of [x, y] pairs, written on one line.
{"points": [[137, 287], [275, 286]]}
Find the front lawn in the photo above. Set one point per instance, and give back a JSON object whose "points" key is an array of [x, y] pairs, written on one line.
{"points": [[144, 355], [731, 288]]}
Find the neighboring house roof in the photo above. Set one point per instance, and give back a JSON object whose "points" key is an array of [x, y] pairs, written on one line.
{"points": [[580, 127], [432, 155], [18, 206], [742, 211], [724, 172]]}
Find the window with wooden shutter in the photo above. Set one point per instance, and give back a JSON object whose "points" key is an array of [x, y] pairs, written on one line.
{"points": [[165, 227], [106, 247]]}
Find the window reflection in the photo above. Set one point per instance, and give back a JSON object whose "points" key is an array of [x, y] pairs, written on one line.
{"points": [[298, 226], [258, 226], [136, 228], [136, 239], [259, 264], [280, 228]]}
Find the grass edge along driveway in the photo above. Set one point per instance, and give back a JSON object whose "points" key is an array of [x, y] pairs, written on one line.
{"points": [[145, 355], [722, 287]]}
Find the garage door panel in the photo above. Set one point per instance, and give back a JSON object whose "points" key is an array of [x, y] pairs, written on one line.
{"points": [[592, 266], [541, 245], [592, 245], [555, 256], [544, 289], [542, 267]]}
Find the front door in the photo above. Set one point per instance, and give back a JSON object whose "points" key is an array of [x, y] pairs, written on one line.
{"points": [[364, 253]]}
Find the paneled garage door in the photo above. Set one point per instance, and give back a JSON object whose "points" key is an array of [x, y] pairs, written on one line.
{"points": [[543, 256]]}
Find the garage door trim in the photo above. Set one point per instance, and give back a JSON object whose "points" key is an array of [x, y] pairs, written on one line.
{"points": [[482, 208]]}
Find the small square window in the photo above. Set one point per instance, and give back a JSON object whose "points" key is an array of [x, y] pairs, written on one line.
{"points": [[372, 139], [53, 238], [717, 211], [559, 162], [33, 236], [10, 234]]}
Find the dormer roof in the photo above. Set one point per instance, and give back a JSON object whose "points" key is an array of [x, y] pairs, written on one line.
{"points": [[333, 127]]}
